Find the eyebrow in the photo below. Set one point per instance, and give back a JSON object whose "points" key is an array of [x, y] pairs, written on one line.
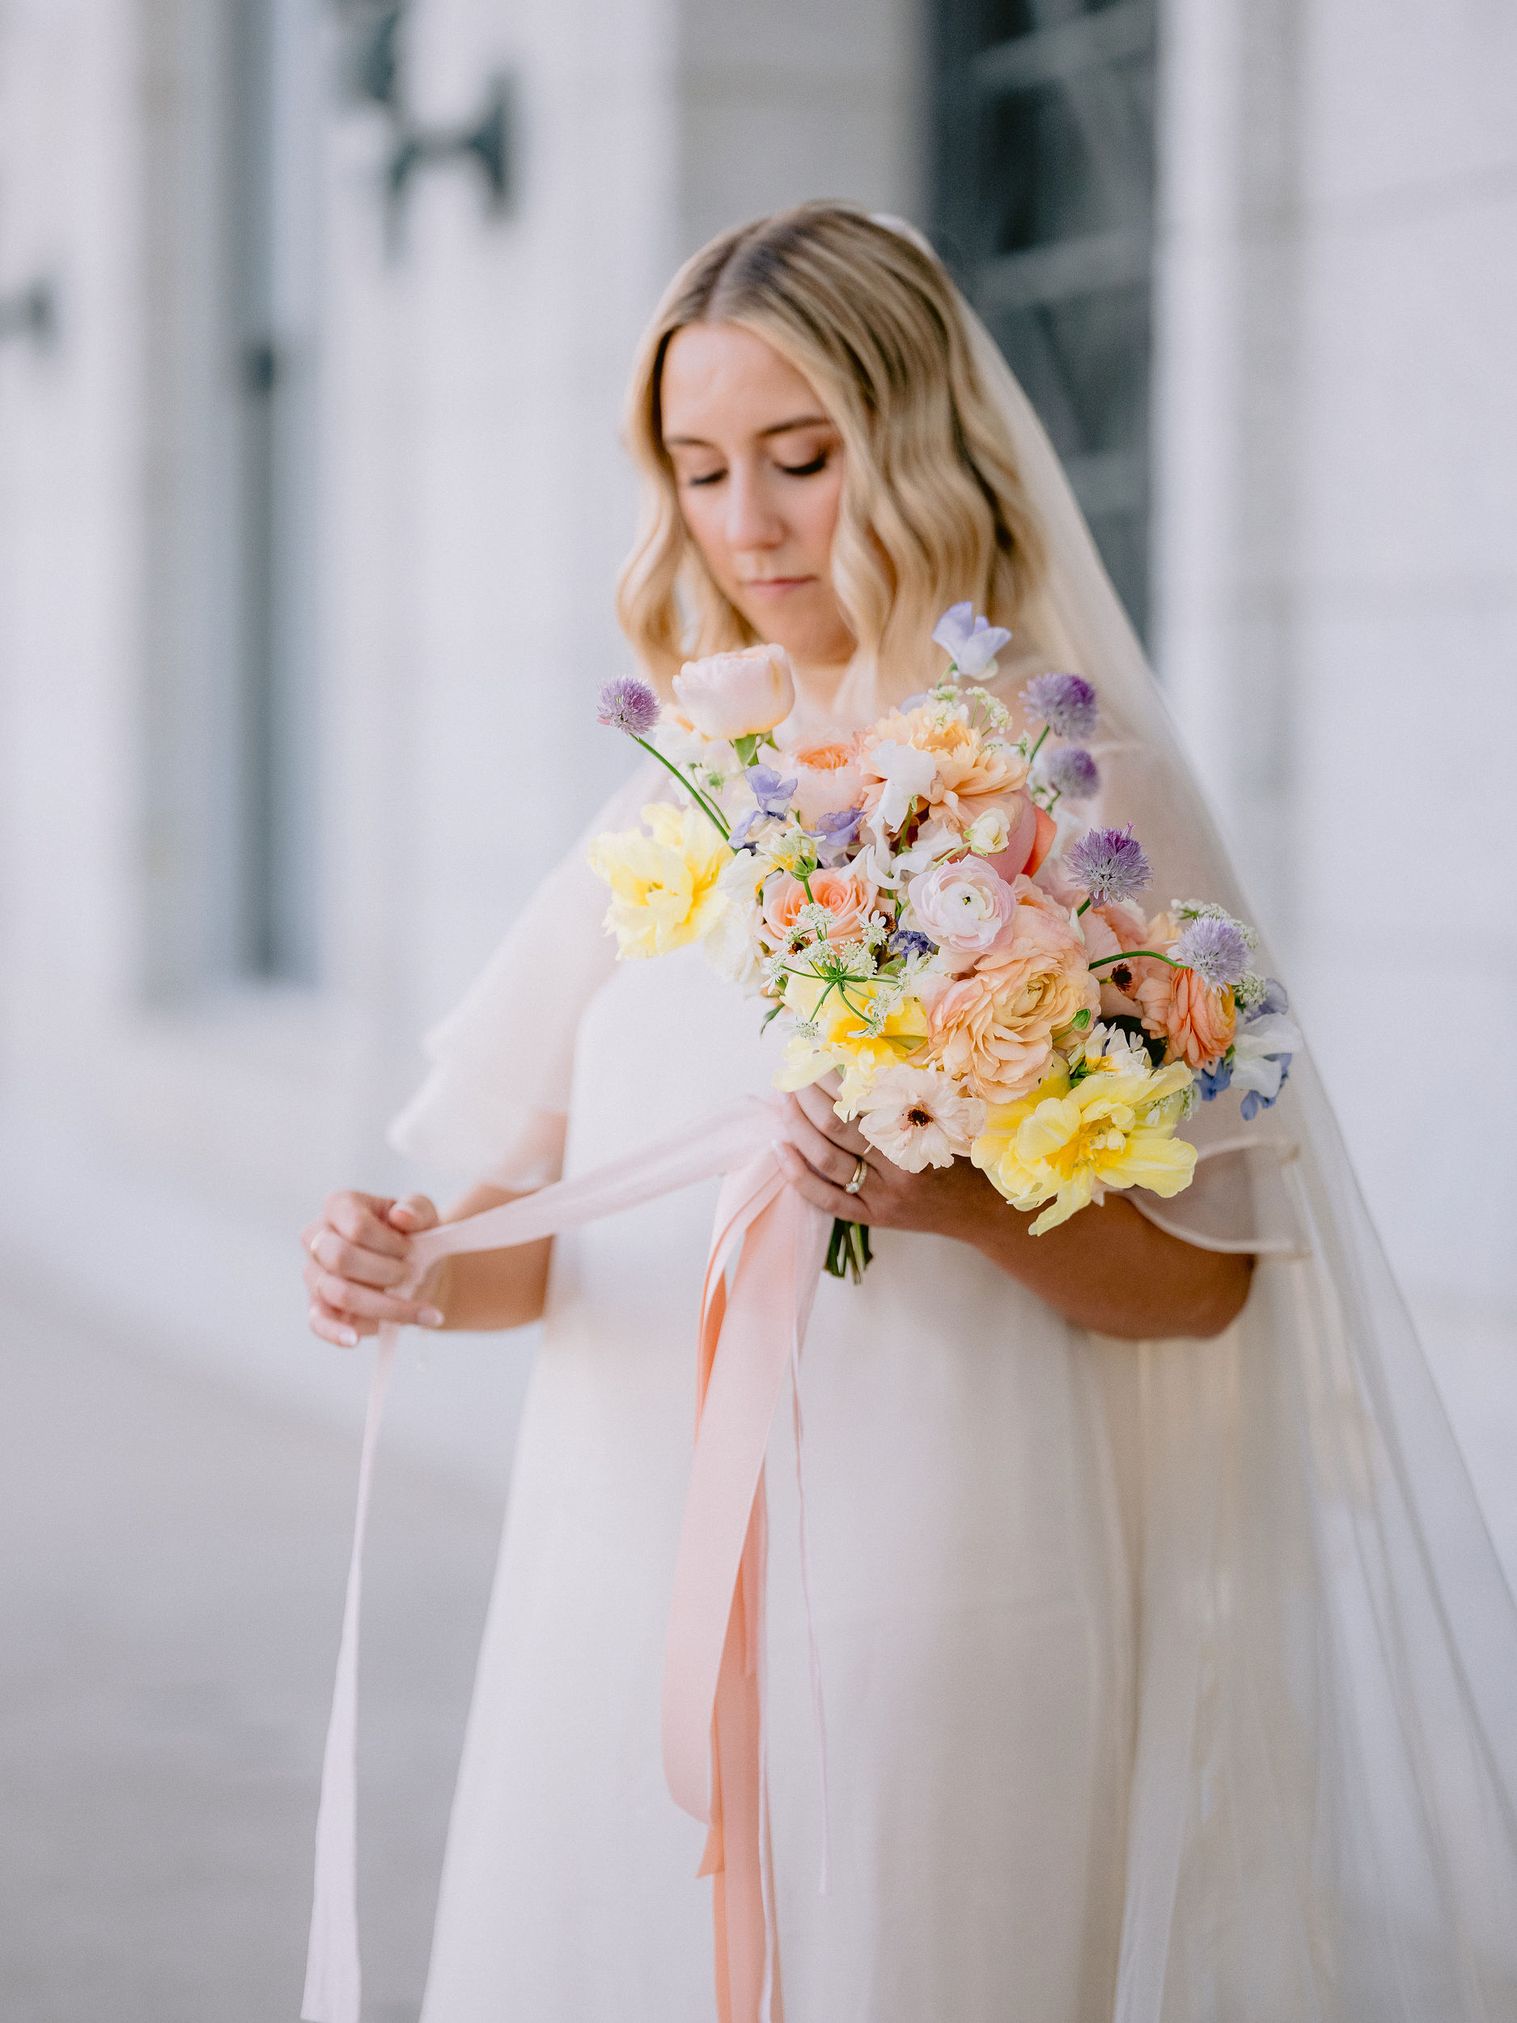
{"points": [[777, 428]]}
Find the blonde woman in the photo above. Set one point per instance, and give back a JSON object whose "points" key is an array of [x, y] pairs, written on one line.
{"points": [[1152, 1690]]}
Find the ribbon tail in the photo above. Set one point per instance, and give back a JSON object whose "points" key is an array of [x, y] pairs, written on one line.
{"points": [[738, 1911], [333, 1985]]}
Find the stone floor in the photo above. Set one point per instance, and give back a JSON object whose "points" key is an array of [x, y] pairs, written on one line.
{"points": [[171, 1562]]}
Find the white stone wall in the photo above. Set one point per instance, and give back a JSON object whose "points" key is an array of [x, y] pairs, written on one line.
{"points": [[1337, 437], [471, 508]]}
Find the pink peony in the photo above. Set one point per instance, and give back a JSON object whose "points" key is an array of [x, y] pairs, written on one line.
{"points": [[737, 695]]}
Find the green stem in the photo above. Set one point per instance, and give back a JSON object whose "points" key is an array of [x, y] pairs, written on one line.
{"points": [[1042, 734], [1127, 954], [689, 785]]}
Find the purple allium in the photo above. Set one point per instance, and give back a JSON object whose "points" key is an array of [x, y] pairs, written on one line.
{"points": [[769, 790], [1109, 864], [1065, 702], [838, 828], [1072, 772], [909, 941], [629, 705], [1216, 949]]}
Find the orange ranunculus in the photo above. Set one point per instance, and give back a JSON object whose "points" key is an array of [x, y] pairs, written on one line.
{"points": [[1196, 1019], [994, 1028], [849, 901]]}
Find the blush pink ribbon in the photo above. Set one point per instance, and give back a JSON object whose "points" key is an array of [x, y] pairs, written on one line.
{"points": [[767, 1251]]}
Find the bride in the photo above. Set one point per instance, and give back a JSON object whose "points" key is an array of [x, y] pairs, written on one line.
{"points": [[1166, 1668]]}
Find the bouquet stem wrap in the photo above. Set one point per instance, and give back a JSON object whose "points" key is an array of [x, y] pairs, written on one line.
{"points": [[766, 1257]]}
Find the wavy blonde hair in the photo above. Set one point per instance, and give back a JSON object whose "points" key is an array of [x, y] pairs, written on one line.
{"points": [[933, 508]]}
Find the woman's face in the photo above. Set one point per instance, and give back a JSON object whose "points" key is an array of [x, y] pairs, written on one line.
{"points": [[759, 471]]}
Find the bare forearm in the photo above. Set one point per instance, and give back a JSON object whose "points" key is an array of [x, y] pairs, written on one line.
{"points": [[484, 1291], [1109, 1268]]}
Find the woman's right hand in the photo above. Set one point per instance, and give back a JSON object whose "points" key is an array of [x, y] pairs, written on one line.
{"points": [[356, 1250]]}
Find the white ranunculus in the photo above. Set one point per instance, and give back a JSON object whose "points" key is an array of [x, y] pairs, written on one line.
{"points": [[737, 695]]}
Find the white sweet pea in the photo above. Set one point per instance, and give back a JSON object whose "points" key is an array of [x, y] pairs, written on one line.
{"points": [[969, 639], [907, 771], [1253, 1044], [890, 869]]}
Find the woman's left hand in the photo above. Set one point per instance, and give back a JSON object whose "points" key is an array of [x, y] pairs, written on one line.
{"points": [[819, 1154]]}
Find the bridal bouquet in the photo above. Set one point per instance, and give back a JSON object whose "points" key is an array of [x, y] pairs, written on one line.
{"points": [[918, 907]]}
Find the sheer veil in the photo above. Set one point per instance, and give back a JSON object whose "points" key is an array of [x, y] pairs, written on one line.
{"points": [[1323, 1819]]}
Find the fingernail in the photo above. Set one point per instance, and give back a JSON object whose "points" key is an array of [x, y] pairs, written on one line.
{"points": [[429, 1317], [348, 1337]]}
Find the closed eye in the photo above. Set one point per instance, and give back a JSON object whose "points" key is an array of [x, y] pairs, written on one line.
{"points": [[807, 470]]}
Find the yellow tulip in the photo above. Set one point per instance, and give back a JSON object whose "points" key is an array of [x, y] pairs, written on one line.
{"points": [[663, 879], [1065, 1143]]}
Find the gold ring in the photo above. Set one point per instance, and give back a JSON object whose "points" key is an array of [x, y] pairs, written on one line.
{"points": [[856, 1184]]}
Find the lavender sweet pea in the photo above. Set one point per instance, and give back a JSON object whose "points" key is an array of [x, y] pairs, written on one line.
{"points": [[969, 639], [837, 830], [770, 791]]}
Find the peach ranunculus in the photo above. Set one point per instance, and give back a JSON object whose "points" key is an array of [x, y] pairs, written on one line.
{"points": [[827, 779], [995, 1027], [737, 695], [973, 769], [1195, 1019], [849, 901]]}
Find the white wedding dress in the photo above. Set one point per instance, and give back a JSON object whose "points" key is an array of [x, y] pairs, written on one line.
{"points": [[1121, 1715], [1165, 1682]]}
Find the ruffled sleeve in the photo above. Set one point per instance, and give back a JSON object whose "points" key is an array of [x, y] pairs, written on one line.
{"points": [[495, 1101]]}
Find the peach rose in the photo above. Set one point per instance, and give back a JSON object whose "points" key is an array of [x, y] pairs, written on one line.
{"points": [[827, 779], [994, 1028], [849, 901], [737, 695]]}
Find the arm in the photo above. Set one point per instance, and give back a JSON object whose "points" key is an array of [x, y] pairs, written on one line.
{"points": [[1107, 1268], [481, 1291]]}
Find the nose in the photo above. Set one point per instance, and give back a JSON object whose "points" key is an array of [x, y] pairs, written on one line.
{"points": [[752, 521]]}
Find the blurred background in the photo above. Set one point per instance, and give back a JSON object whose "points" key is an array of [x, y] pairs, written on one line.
{"points": [[314, 321]]}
